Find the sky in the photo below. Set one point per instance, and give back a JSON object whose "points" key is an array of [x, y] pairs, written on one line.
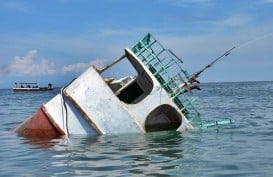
{"points": [[56, 40]]}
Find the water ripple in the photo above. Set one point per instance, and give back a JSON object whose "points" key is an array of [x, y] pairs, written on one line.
{"points": [[241, 149]]}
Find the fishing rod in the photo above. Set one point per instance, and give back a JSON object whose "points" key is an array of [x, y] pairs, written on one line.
{"points": [[194, 77]]}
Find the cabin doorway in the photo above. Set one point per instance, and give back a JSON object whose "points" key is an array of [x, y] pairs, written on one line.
{"points": [[132, 84], [163, 118]]}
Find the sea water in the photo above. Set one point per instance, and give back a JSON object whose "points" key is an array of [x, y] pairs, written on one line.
{"points": [[244, 148]]}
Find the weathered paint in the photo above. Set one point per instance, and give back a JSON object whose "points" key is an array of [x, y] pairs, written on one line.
{"points": [[98, 101], [68, 117]]}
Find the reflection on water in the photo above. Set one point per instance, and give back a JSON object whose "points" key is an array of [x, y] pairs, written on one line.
{"points": [[153, 154]]}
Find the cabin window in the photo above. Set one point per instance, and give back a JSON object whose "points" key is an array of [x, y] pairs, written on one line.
{"points": [[163, 118], [128, 79]]}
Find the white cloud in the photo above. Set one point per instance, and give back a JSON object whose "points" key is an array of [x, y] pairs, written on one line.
{"points": [[236, 20], [27, 65], [187, 2], [18, 6], [113, 32], [32, 65], [266, 1], [99, 62], [80, 67], [124, 32], [77, 67], [195, 1]]}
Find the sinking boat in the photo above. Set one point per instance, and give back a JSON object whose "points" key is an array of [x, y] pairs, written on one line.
{"points": [[30, 86], [155, 99]]}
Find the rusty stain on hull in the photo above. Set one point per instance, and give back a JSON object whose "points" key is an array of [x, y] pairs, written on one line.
{"points": [[39, 125]]}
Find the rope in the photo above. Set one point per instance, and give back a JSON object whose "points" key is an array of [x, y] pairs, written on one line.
{"points": [[65, 107]]}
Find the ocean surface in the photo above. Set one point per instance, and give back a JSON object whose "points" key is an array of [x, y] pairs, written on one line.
{"points": [[244, 148]]}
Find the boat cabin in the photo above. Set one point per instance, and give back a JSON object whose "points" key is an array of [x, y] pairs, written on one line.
{"points": [[158, 84]]}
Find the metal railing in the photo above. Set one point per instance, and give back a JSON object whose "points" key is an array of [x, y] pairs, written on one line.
{"points": [[167, 69]]}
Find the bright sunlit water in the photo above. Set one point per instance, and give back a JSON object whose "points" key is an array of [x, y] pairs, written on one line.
{"points": [[244, 148]]}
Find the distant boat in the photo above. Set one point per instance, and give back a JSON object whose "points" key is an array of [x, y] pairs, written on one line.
{"points": [[31, 86]]}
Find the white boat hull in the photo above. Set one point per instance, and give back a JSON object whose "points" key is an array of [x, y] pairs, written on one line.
{"points": [[89, 106]]}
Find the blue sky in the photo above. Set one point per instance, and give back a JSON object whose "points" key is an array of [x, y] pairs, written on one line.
{"points": [[55, 40]]}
